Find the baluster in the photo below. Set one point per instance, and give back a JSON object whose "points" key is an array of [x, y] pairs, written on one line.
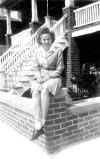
{"points": [[94, 9], [64, 25], [84, 10], [86, 16], [99, 10], [78, 18], [92, 14], [81, 18], [75, 15], [89, 15]]}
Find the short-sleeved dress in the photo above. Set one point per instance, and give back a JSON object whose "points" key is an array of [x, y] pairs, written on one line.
{"points": [[50, 62]]}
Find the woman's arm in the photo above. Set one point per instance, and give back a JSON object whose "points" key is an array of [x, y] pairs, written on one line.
{"points": [[59, 66], [36, 67]]}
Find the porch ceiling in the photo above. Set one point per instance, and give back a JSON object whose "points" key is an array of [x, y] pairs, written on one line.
{"points": [[10, 4], [7, 3], [55, 7]]}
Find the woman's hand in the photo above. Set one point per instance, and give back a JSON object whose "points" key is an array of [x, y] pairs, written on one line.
{"points": [[45, 78], [37, 77]]}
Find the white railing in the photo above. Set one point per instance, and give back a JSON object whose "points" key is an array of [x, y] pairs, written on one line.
{"points": [[21, 38], [15, 55], [87, 14], [60, 26], [11, 54], [16, 58]]}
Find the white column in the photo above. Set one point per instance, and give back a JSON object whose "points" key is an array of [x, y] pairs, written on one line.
{"points": [[8, 24], [34, 11], [69, 3]]}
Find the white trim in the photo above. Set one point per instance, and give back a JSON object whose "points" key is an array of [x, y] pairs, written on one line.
{"points": [[85, 31]]}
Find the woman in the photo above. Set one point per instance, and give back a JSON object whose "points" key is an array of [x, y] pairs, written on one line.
{"points": [[48, 66]]}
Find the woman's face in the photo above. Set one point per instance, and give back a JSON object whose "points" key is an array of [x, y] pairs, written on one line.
{"points": [[46, 41]]}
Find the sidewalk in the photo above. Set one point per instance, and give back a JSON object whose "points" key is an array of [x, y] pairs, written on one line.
{"points": [[15, 146]]}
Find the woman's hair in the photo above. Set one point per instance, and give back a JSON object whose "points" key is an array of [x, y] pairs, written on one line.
{"points": [[45, 31]]}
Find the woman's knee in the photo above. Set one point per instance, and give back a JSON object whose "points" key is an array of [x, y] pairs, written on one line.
{"points": [[35, 93]]}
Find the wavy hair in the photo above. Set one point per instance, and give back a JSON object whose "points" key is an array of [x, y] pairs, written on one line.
{"points": [[42, 31]]}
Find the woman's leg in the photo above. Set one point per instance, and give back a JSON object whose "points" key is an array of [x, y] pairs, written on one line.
{"points": [[36, 96], [45, 99], [51, 86]]}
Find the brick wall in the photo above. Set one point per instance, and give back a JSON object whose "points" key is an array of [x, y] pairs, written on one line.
{"points": [[75, 57], [73, 61], [67, 123]]}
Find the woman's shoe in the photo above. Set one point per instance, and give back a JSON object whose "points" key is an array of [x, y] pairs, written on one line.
{"points": [[37, 133]]}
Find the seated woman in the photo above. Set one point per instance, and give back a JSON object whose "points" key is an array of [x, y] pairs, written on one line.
{"points": [[48, 66]]}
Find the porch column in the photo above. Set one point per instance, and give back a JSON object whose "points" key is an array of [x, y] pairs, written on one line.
{"points": [[69, 3], [47, 17], [68, 9], [48, 21], [34, 11], [8, 29], [34, 18]]}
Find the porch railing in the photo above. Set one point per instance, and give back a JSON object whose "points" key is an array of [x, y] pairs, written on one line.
{"points": [[60, 26], [87, 14], [21, 38], [78, 92], [16, 54]]}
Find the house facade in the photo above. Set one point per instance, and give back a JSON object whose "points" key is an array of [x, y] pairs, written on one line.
{"points": [[81, 28], [78, 23]]}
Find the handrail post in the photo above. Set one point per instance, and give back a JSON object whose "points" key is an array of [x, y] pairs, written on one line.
{"points": [[48, 21], [34, 24]]}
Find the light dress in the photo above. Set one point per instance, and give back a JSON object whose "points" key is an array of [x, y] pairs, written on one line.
{"points": [[48, 63]]}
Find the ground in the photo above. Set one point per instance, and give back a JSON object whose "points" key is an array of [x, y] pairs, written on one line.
{"points": [[15, 146]]}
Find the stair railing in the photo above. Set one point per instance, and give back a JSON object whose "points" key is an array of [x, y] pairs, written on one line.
{"points": [[16, 54], [60, 27]]}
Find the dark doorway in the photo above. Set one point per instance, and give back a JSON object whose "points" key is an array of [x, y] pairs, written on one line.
{"points": [[89, 47]]}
